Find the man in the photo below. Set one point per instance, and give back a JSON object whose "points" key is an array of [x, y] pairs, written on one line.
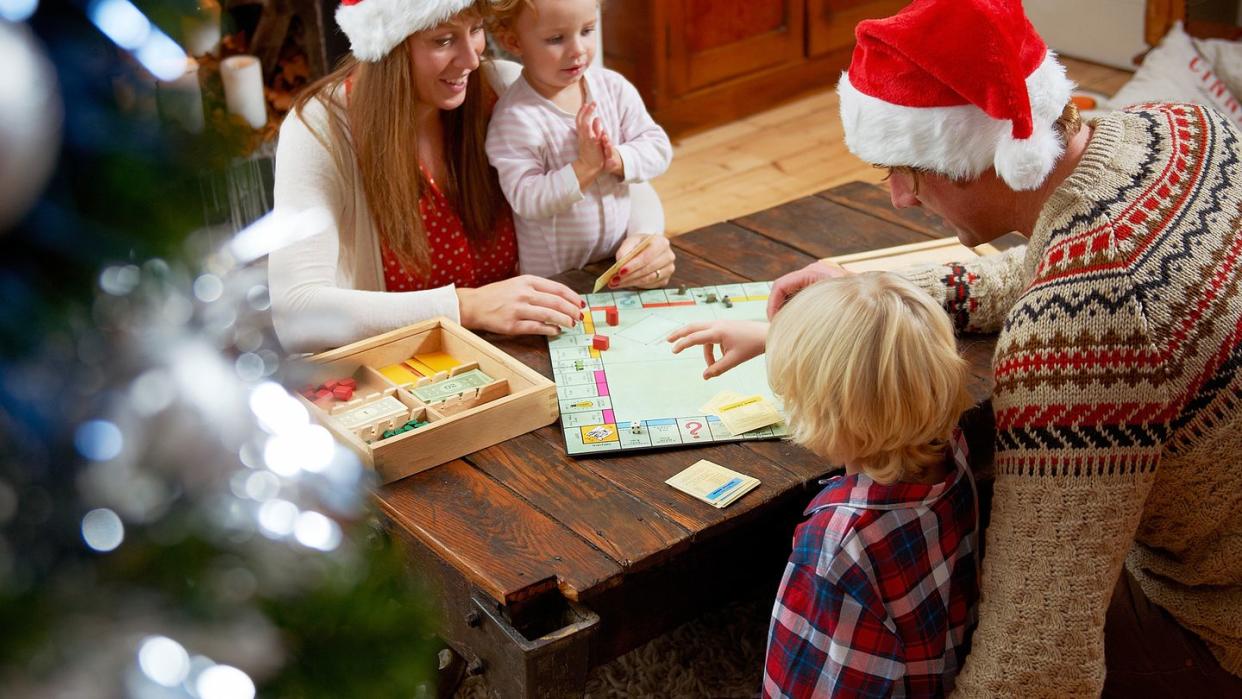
{"points": [[1119, 424]]}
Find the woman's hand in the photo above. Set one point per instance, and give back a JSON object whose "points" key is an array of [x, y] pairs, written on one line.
{"points": [[651, 269], [739, 340], [784, 288], [525, 305]]}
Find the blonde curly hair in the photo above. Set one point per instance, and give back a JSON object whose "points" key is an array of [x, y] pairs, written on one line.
{"points": [[868, 369]]}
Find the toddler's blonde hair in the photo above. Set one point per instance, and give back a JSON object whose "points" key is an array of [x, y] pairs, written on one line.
{"points": [[505, 12], [868, 369]]}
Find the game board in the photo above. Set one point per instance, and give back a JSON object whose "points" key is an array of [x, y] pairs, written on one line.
{"points": [[639, 379]]}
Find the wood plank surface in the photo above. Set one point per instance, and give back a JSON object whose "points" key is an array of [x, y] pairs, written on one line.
{"points": [[741, 251], [821, 228], [621, 525], [874, 200], [642, 474], [492, 537]]}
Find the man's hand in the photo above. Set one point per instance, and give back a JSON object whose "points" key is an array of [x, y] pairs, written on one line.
{"points": [[788, 285]]}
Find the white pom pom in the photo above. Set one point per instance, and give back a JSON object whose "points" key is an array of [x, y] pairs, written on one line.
{"points": [[1025, 164]]}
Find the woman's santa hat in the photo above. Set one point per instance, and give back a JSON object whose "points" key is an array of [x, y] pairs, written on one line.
{"points": [[375, 27], [956, 87]]}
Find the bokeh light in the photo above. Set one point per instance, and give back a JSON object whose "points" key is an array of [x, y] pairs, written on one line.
{"points": [[163, 660], [17, 10], [278, 412], [98, 440], [308, 448], [102, 530], [277, 518], [249, 366], [316, 531], [208, 288], [261, 486], [276, 230], [119, 280], [121, 22], [224, 682], [151, 392]]}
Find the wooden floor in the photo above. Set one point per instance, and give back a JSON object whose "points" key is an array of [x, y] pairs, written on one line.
{"points": [[787, 152]]}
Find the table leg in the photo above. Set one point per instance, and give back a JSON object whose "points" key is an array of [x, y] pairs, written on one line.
{"points": [[544, 652]]}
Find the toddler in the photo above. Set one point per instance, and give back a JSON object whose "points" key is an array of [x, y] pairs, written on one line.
{"points": [[566, 140], [880, 592], [879, 595]]}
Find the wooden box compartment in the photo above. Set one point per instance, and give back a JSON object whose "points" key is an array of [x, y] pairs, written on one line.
{"points": [[517, 400]]}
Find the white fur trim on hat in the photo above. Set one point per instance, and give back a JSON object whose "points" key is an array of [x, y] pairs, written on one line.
{"points": [[960, 141], [375, 27]]}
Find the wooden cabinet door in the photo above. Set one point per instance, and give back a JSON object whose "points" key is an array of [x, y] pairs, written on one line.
{"points": [[713, 40], [830, 23]]}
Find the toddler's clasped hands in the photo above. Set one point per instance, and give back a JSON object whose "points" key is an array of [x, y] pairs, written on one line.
{"points": [[595, 149]]}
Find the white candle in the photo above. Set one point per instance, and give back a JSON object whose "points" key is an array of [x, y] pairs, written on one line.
{"points": [[181, 100], [243, 89], [201, 31]]}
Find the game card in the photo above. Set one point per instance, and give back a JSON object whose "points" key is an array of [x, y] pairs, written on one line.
{"points": [[712, 483]]}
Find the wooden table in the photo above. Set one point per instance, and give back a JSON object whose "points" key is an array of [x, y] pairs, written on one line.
{"points": [[549, 565]]}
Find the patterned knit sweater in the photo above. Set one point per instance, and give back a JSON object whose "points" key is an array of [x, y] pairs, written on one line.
{"points": [[1119, 424]]}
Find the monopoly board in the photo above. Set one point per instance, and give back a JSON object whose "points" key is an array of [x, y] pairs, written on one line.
{"points": [[638, 379]]}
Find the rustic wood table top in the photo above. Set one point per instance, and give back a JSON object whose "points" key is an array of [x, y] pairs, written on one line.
{"points": [[522, 519]]}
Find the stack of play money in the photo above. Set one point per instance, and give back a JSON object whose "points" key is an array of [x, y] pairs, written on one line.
{"points": [[452, 386]]}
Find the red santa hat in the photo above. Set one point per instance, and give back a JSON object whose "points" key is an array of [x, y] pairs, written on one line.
{"points": [[956, 87], [375, 27]]}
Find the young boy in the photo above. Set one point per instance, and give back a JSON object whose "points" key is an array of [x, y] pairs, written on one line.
{"points": [[879, 595]]}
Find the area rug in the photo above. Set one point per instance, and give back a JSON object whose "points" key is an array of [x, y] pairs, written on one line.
{"points": [[717, 656]]}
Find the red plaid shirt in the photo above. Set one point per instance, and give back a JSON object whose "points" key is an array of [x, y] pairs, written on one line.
{"points": [[880, 593]]}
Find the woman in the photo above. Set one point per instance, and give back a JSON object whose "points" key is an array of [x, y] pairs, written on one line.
{"points": [[392, 144]]}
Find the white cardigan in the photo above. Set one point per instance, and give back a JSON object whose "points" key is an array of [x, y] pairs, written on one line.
{"points": [[327, 290]]}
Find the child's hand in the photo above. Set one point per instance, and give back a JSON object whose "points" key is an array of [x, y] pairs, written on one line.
{"points": [[590, 162], [613, 164], [739, 340], [652, 267]]}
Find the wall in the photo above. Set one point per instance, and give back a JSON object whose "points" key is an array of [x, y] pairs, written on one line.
{"points": [[1103, 31]]}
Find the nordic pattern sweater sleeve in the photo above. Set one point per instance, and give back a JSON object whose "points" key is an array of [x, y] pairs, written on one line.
{"points": [[1108, 399], [977, 294]]}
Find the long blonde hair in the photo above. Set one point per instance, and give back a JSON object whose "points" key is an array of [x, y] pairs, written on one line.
{"points": [[375, 126], [869, 371]]}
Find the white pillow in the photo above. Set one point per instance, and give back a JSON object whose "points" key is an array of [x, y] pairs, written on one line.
{"points": [[1174, 71], [1226, 59]]}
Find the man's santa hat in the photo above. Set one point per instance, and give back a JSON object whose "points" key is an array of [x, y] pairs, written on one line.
{"points": [[375, 27], [956, 87]]}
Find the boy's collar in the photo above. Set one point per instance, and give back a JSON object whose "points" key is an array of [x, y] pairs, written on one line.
{"points": [[859, 490]]}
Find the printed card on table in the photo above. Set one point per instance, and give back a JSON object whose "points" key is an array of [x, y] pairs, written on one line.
{"points": [[748, 414], [712, 483]]}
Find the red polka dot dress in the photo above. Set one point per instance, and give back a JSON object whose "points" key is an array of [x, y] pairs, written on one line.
{"points": [[454, 260]]}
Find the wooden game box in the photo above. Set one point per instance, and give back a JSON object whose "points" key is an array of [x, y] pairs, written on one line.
{"points": [[940, 251], [517, 400]]}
